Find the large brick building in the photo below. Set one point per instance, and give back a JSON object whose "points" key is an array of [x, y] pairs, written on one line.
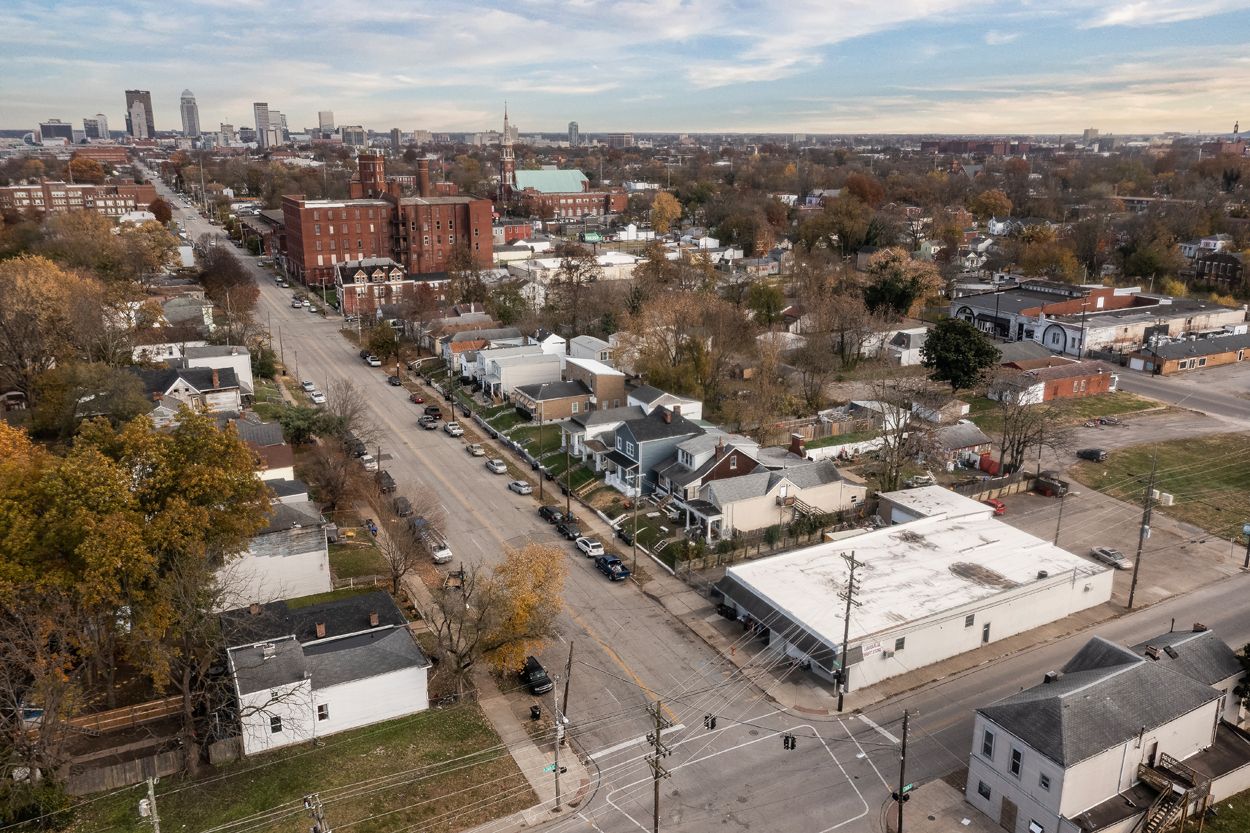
{"points": [[49, 198], [417, 232]]}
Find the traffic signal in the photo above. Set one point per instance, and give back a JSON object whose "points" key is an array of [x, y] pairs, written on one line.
{"points": [[709, 721], [906, 797], [788, 742]]}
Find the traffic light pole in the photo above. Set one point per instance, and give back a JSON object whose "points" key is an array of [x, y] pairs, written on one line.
{"points": [[902, 774]]}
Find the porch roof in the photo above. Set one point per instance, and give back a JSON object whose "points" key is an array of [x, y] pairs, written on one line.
{"points": [[621, 460], [704, 509]]}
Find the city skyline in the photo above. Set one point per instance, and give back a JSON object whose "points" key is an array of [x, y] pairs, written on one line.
{"points": [[701, 66]]}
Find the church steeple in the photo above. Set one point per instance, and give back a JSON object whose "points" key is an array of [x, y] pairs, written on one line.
{"points": [[507, 163]]}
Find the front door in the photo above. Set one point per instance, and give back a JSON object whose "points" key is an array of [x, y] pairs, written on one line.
{"points": [[985, 632], [1007, 819]]}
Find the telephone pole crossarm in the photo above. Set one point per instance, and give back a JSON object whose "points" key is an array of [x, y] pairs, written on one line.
{"points": [[661, 752]]}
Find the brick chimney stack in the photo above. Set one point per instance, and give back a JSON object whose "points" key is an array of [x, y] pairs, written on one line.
{"points": [[321, 630], [216, 381], [423, 177], [796, 446], [720, 449], [373, 619]]}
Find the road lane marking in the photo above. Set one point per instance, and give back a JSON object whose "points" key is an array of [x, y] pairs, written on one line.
{"points": [[886, 734], [453, 490], [626, 744]]}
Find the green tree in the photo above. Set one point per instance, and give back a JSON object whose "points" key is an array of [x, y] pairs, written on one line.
{"points": [[78, 391], [300, 423], [767, 301], [958, 353], [383, 342]]}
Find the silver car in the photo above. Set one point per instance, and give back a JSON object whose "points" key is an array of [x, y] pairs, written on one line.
{"points": [[1109, 556], [521, 487], [497, 466]]}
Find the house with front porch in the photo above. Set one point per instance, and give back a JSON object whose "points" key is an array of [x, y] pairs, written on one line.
{"points": [[642, 444], [593, 434], [704, 458]]}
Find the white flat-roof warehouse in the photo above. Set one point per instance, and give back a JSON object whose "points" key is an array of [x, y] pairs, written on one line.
{"points": [[928, 589]]}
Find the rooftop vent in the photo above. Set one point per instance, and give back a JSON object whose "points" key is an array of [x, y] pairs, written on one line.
{"points": [[268, 650], [1050, 677], [321, 630], [255, 608], [1170, 651], [373, 619]]}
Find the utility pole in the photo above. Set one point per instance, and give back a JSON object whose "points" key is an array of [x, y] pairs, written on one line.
{"points": [[901, 796], [849, 594], [1059, 522], [151, 808], [312, 803], [568, 482], [1147, 504], [542, 412], [1245, 530], [555, 704], [661, 752], [568, 673], [634, 542]]}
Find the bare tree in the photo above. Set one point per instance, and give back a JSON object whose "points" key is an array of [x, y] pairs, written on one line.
{"points": [[579, 268], [350, 411], [402, 549], [334, 474], [1027, 424], [903, 437]]}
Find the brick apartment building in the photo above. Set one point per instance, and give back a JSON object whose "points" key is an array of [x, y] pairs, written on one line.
{"points": [[1044, 380], [112, 154], [364, 286], [49, 198], [378, 221]]}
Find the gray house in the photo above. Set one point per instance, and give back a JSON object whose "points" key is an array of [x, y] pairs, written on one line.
{"points": [[642, 445]]}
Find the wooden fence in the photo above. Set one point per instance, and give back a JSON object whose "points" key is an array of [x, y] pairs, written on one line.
{"points": [[361, 581], [124, 774], [814, 428], [131, 716]]}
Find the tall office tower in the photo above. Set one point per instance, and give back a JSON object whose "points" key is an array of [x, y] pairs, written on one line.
{"points": [[137, 121], [396, 138], [573, 134], [96, 127], [325, 120], [277, 121], [145, 98], [261, 110], [190, 115]]}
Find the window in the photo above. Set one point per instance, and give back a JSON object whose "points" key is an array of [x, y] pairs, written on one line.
{"points": [[1017, 761], [358, 224], [317, 216], [275, 725], [370, 215], [357, 213], [1241, 354], [323, 711], [733, 461], [331, 245], [450, 225], [475, 231], [318, 228], [987, 744], [425, 241], [629, 449], [970, 620], [1074, 386], [438, 225], [1034, 827], [620, 444], [1043, 781], [575, 404], [1202, 362], [983, 790], [1082, 384], [318, 245]]}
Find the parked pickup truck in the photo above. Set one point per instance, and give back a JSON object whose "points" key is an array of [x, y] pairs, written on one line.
{"points": [[611, 567], [385, 482], [432, 539]]}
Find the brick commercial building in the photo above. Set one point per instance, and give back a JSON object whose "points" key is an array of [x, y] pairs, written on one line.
{"points": [[363, 286], [1043, 380], [270, 228], [379, 221], [48, 198], [606, 384], [112, 154], [1178, 356]]}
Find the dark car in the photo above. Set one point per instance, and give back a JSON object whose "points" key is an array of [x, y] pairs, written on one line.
{"points": [[403, 507], [569, 530], [385, 482], [551, 514], [433, 411], [394, 381], [1095, 454], [611, 567], [364, 354], [534, 677]]}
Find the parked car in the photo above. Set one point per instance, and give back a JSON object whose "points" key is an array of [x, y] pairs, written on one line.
{"points": [[475, 449], [1109, 556], [611, 567], [403, 507], [364, 354], [394, 381], [521, 487], [416, 399], [308, 386], [368, 462], [551, 514], [454, 429], [589, 546], [349, 319], [385, 482], [373, 361], [307, 303], [428, 423], [999, 507], [497, 466], [534, 677], [295, 304], [433, 411], [1095, 454], [1108, 420], [317, 397], [569, 530]]}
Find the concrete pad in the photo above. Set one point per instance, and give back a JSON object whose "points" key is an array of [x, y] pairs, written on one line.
{"points": [[937, 807]]}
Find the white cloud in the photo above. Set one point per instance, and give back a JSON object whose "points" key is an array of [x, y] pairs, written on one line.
{"points": [[996, 38], [1163, 11]]}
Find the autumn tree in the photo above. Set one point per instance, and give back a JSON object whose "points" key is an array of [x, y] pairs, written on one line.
{"points": [[958, 353], [898, 283], [841, 227], [383, 341], [85, 171], [76, 391], [502, 616], [992, 203], [161, 210], [465, 272], [664, 210]]}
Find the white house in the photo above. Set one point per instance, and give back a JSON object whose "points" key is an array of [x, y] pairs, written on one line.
{"points": [[238, 359], [304, 673], [551, 344], [504, 375], [930, 589], [650, 398], [589, 347], [1119, 739], [286, 559]]}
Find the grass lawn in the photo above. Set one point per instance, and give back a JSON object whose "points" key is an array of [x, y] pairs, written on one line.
{"points": [[440, 770], [548, 434], [508, 419], [1121, 402], [333, 595], [490, 413], [581, 476], [267, 411], [354, 560], [1233, 816], [1208, 476], [839, 439]]}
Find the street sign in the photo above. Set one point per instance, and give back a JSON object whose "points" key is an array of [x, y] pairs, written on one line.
{"points": [[908, 788], [549, 768]]}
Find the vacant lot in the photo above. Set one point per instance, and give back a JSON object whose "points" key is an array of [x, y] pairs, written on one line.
{"points": [[984, 411], [1208, 478], [442, 770]]}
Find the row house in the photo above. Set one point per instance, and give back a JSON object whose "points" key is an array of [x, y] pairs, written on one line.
{"points": [[363, 286]]}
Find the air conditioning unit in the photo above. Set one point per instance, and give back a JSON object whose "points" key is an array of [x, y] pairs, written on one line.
{"points": [[887, 654], [1165, 499], [1154, 494]]}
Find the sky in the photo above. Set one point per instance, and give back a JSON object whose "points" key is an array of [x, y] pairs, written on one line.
{"points": [[794, 66]]}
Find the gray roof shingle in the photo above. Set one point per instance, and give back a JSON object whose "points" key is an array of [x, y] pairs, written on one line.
{"points": [[1202, 656]]}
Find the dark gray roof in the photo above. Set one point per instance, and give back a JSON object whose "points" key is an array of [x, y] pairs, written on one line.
{"points": [[1018, 351], [547, 391], [487, 335], [254, 672], [289, 516], [261, 433], [341, 617], [286, 488], [655, 426], [646, 394], [961, 436], [1203, 347], [1104, 697], [1071, 371], [200, 378], [362, 656], [1202, 656], [606, 415]]}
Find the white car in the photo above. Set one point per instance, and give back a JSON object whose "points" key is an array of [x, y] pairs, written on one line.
{"points": [[476, 450], [307, 303], [317, 397], [521, 487], [497, 466], [369, 462], [308, 386], [373, 361], [453, 428], [589, 546]]}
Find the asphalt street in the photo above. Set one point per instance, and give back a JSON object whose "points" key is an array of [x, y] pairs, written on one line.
{"points": [[629, 650], [1189, 391]]}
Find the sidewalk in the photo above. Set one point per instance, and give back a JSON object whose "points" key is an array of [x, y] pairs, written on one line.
{"points": [[936, 807]]}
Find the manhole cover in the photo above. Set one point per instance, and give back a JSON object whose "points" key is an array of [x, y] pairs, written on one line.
{"points": [[742, 799], [932, 818], [753, 732]]}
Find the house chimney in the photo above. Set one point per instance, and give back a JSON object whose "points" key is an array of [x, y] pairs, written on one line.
{"points": [[373, 619], [677, 409], [1050, 677], [216, 381], [423, 177], [668, 417], [1152, 652], [720, 449], [158, 396], [234, 351], [255, 608], [1199, 627], [796, 445], [321, 630]]}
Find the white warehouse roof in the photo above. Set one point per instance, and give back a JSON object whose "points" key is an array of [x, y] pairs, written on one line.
{"points": [[930, 501]]}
